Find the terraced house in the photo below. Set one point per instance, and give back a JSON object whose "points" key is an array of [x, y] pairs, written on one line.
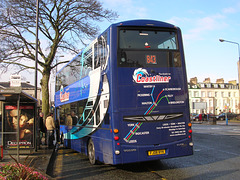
{"points": [[213, 97]]}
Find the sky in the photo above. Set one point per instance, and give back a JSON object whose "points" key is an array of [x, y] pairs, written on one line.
{"points": [[202, 23]]}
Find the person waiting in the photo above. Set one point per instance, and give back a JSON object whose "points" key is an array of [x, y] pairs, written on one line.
{"points": [[50, 125]]}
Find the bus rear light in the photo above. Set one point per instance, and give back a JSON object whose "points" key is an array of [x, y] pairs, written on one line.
{"points": [[117, 152], [115, 131], [190, 124], [190, 131], [116, 138], [118, 144], [189, 137], [191, 144]]}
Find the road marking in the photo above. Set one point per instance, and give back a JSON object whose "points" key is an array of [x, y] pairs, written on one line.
{"points": [[197, 150], [154, 172], [59, 162], [71, 154]]}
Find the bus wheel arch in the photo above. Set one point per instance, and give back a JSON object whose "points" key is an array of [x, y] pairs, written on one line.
{"points": [[91, 152]]}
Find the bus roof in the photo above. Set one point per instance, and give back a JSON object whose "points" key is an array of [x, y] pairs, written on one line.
{"points": [[145, 22], [137, 22]]}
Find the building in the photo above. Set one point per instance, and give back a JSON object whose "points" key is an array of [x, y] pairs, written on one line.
{"points": [[26, 87], [217, 97]]}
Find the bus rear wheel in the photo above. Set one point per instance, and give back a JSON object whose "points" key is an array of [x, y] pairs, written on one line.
{"points": [[91, 152]]}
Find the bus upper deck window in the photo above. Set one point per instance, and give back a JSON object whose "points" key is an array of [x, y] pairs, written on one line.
{"points": [[147, 39]]}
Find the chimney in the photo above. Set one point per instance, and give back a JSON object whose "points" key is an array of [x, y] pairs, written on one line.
{"points": [[220, 81], [194, 80], [207, 80], [233, 82]]}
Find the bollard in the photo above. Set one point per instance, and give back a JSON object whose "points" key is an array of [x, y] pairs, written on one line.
{"points": [[1, 146], [214, 120]]}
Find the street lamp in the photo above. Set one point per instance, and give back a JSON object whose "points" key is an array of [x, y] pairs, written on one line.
{"points": [[223, 40]]}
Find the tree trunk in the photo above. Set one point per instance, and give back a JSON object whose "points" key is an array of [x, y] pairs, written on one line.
{"points": [[45, 92]]}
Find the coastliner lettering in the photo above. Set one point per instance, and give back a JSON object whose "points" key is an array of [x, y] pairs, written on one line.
{"points": [[64, 97], [153, 79]]}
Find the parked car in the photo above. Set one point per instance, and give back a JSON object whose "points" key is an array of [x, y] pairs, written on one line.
{"points": [[192, 115], [196, 118], [223, 116], [210, 115]]}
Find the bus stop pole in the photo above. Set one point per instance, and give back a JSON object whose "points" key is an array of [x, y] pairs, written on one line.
{"points": [[18, 130]]}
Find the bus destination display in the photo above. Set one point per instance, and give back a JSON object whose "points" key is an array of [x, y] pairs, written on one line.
{"points": [[151, 59]]}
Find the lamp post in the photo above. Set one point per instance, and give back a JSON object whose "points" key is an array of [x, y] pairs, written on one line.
{"points": [[223, 40], [36, 48], [36, 71]]}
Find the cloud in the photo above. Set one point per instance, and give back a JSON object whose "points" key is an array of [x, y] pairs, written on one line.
{"points": [[178, 20], [229, 10], [203, 25], [196, 28], [195, 12], [232, 10], [208, 23], [141, 12], [126, 8], [116, 3]]}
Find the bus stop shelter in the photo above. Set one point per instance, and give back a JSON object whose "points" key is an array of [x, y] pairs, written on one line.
{"points": [[18, 121]]}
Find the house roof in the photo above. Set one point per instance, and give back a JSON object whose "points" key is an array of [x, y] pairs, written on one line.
{"points": [[13, 94], [24, 85]]}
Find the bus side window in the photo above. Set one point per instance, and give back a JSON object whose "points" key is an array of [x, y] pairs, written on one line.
{"points": [[87, 63], [96, 56], [98, 116], [62, 120], [102, 49], [106, 119]]}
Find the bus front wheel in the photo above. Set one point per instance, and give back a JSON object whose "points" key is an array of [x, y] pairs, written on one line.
{"points": [[91, 152]]}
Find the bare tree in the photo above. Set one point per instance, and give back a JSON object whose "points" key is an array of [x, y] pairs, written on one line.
{"points": [[63, 25]]}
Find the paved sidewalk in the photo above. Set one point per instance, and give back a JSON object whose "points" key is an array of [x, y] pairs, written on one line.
{"points": [[40, 160], [230, 122]]}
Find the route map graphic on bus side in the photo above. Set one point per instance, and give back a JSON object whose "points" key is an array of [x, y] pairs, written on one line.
{"points": [[148, 112]]}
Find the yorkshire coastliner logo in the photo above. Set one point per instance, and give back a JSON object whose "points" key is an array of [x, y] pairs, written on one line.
{"points": [[64, 96], [141, 76]]}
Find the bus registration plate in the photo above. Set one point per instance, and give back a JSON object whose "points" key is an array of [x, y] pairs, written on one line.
{"points": [[156, 152]]}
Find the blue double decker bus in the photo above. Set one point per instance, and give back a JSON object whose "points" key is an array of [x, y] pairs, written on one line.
{"points": [[124, 98]]}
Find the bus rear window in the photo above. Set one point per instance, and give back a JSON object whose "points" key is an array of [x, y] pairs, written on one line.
{"points": [[147, 39]]}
